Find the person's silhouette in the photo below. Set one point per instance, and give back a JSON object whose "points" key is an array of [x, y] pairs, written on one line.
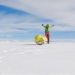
{"points": [[47, 31]]}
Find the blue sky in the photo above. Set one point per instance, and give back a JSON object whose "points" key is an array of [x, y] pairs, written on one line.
{"points": [[21, 23]]}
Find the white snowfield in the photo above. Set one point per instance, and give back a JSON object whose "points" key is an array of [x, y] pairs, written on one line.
{"points": [[27, 58]]}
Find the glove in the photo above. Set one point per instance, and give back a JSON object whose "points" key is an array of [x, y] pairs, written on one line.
{"points": [[53, 25], [42, 24]]}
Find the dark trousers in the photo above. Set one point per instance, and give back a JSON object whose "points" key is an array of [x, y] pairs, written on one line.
{"points": [[47, 36]]}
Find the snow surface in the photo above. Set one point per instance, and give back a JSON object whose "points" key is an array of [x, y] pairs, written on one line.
{"points": [[27, 58]]}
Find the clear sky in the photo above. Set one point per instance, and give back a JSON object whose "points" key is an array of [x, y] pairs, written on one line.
{"points": [[22, 19]]}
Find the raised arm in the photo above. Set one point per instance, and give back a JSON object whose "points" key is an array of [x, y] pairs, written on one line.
{"points": [[53, 25], [43, 25]]}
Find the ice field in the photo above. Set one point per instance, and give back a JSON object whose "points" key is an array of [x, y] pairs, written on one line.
{"points": [[27, 58]]}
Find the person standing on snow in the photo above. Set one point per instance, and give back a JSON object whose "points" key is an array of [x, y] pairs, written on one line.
{"points": [[47, 31]]}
